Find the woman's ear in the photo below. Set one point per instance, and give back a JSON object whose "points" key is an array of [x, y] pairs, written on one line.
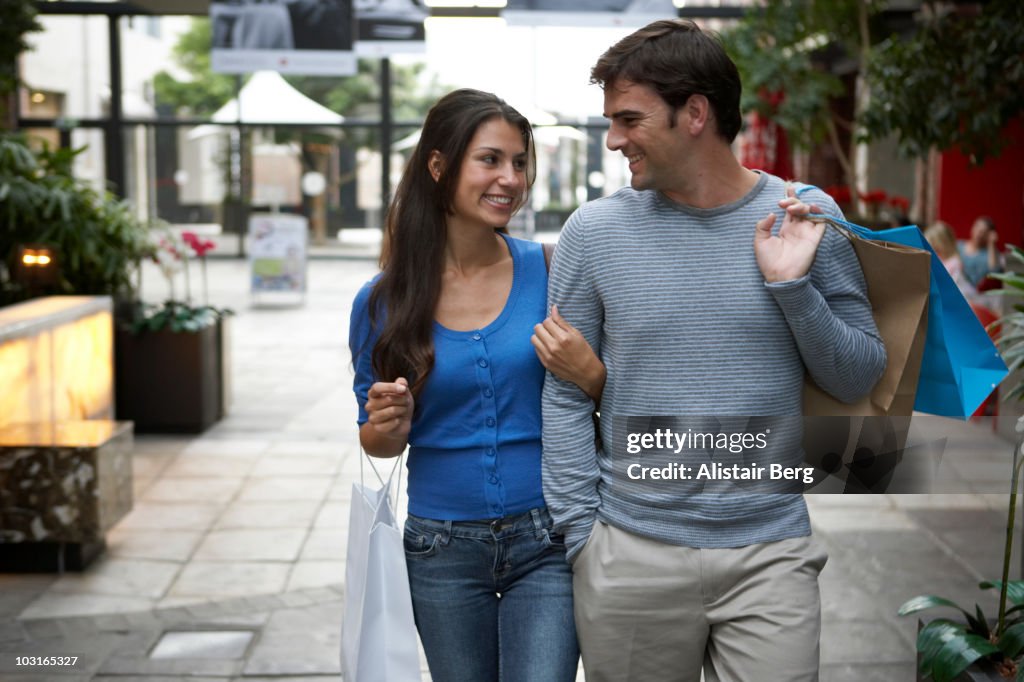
{"points": [[435, 164]]}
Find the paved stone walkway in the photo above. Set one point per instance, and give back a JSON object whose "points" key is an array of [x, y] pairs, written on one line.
{"points": [[239, 534]]}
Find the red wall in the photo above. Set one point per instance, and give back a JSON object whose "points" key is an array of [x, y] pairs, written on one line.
{"points": [[996, 189]]}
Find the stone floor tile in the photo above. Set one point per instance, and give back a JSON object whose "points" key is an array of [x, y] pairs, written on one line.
{"points": [[58, 604], [835, 519], [234, 447], [849, 641], [217, 579], [209, 466], [965, 500], [18, 591], [325, 545], [12, 631], [296, 465], [160, 678], [274, 544], [326, 677], [161, 443], [89, 650], [299, 642], [42, 629], [192, 489], [333, 514], [165, 545], [291, 514], [308, 447], [249, 621], [284, 488], [146, 667], [827, 500], [307, 574], [47, 677], [180, 603], [868, 672], [122, 577], [189, 516]]}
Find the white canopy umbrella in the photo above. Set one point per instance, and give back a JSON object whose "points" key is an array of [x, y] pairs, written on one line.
{"points": [[268, 99]]}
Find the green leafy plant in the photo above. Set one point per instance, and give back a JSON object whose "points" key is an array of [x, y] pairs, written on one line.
{"points": [[177, 316], [949, 647], [98, 238]]}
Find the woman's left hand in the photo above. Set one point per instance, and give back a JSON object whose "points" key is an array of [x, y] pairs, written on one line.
{"points": [[566, 354]]}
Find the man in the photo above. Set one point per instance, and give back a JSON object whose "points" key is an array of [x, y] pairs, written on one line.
{"points": [[708, 294]]}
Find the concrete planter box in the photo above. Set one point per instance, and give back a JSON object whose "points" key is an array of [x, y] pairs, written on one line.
{"points": [[172, 382]]}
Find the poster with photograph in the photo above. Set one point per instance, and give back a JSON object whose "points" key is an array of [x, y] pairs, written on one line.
{"points": [[587, 12], [385, 27], [308, 37]]}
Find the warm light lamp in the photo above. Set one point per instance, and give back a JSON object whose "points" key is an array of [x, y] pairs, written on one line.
{"points": [[36, 267]]}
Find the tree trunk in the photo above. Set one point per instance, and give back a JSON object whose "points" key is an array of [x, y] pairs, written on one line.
{"points": [[861, 97], [926, 178]]}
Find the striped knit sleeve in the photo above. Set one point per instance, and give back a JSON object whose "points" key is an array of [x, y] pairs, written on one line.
{"points": [[829, 313], [569, 466]]}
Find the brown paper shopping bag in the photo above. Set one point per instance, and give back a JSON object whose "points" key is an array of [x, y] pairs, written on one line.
{"points": [[898, 280]]}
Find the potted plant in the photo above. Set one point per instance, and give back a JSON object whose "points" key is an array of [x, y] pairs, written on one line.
{"points": [[171, 361], [97, 238], [977, 647]]}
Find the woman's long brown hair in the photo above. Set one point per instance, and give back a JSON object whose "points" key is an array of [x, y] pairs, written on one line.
{"points": [[405, 297]]}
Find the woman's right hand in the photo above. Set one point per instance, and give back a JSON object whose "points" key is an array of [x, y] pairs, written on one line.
{"points": [[389, 409], [566, 354]]}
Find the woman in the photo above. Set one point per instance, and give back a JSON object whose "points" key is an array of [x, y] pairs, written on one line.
{"points": [[980, 254], [441, 342], [943, 241]]}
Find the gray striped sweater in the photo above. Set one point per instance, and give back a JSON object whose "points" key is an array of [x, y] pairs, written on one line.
{"points": [[672, 299]]}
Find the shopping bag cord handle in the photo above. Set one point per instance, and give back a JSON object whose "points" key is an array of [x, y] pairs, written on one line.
{"points": [[396, 467]]}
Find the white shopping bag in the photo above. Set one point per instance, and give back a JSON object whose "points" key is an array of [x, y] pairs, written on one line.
{"points": [[378, 635]]}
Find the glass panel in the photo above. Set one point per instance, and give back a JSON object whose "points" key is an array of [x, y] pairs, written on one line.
{"points": [[140, 174], [90, 165]]}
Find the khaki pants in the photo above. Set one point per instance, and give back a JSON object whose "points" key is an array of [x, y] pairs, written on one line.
{"points": [[652, 612]]}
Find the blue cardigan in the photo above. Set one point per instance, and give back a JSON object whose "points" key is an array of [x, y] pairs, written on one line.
{"points": [[474, 447]]}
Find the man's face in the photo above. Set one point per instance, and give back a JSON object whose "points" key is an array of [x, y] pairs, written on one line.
{"points": [[640, 130]]}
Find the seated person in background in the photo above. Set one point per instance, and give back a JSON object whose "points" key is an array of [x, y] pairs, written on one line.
{"points": [[980, 254], [941, 237]]}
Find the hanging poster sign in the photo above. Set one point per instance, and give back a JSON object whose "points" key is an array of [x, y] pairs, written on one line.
{"points": [[277, 253], [386, 27], [587, 12], [309, 37]]}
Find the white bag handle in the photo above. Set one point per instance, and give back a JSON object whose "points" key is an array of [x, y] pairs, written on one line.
{"points": [[396, 467]]}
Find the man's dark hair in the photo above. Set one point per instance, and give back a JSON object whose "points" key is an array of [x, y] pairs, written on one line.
{"points": [[677, 59]]}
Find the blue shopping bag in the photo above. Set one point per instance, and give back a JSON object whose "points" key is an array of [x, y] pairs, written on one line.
{"points": [[961, 366]]}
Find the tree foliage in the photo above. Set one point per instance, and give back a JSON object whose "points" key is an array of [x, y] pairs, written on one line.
{"points": [[17, 18], [206, 91], [779, 47], [953, 81], [956, 82]]}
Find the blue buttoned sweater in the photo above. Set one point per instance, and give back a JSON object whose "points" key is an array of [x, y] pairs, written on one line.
{"points": [[474, 447]]}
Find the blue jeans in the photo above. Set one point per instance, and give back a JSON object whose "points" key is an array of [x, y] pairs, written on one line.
{"points": [[493, 599]]}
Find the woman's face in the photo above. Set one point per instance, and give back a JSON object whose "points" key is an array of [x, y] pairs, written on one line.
{"points": [[979, 232], [492, 179]]}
